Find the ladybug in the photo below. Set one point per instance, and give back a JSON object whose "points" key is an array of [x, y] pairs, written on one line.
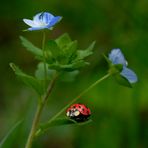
{"points": [[78, 112]]}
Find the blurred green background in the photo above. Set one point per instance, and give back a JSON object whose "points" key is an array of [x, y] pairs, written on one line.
{"points": [[119, 114]]}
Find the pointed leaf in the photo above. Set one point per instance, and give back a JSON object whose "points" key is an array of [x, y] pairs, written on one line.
{"points": [[81, 54], [27, 79], [52, 49], [30, 47], [63, 40], [68, 52], [70, 49], [107, 60], [122, 81], [59, 122]]}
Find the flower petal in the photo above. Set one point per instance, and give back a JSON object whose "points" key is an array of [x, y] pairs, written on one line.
{"points": [[129, 75], [117, 57], [54, 21], [43, 20], [36, 28], [29, 22], [37, 18], [47, 17]]}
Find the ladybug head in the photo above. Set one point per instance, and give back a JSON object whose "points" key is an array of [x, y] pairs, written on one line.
{"points": [[73, 113]]}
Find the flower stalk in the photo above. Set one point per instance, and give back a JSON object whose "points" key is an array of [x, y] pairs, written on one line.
{"points": [[44, 59]]}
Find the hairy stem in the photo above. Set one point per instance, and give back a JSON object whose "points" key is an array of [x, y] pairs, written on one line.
{"points": [[39, 131]]}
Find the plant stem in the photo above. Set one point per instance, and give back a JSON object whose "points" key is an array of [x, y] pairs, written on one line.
{"points": [[38, 113], [39, 131], [44, 59], [34, 126]]}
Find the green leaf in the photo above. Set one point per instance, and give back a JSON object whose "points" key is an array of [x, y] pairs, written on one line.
{"points": [[63, 40], [81, 54], [107, 60], [10, 134], [40, 72], [68, 52], [67, 48], [59, 122], [52, 49], [122, 81], [27, 79], [33, 49], [66, 55], [79, 64], [69, 76]]}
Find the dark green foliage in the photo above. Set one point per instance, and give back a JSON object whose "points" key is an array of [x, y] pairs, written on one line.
{"points": [[64, 55]]}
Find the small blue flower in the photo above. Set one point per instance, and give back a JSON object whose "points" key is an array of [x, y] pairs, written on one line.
{"points": [[43, 20], [117, 57]]}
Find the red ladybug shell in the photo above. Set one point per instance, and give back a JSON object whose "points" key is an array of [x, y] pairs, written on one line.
{"points": [[81, 108]]}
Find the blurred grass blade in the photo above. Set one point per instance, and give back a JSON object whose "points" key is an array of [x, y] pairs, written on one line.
{"points": [[10, 133]]}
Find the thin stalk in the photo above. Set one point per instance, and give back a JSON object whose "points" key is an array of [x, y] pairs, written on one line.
{"points": [[39, 131], [34, 126], [38, 113], [44, 59]]}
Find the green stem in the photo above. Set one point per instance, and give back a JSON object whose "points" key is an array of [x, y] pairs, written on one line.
{"points": [[39, 131], [38, 113], [34, 126], [44, 59]]}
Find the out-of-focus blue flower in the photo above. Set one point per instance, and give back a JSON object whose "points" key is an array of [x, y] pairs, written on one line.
{"points": [[117, 57], [43, 20]]}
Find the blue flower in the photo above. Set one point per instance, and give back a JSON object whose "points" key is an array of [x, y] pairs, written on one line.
{"points": [[43, 20], [117, 57]]}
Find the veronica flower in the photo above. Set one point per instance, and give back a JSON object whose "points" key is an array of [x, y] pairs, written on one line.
{"points": [[43, 20], [116, 57]]}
